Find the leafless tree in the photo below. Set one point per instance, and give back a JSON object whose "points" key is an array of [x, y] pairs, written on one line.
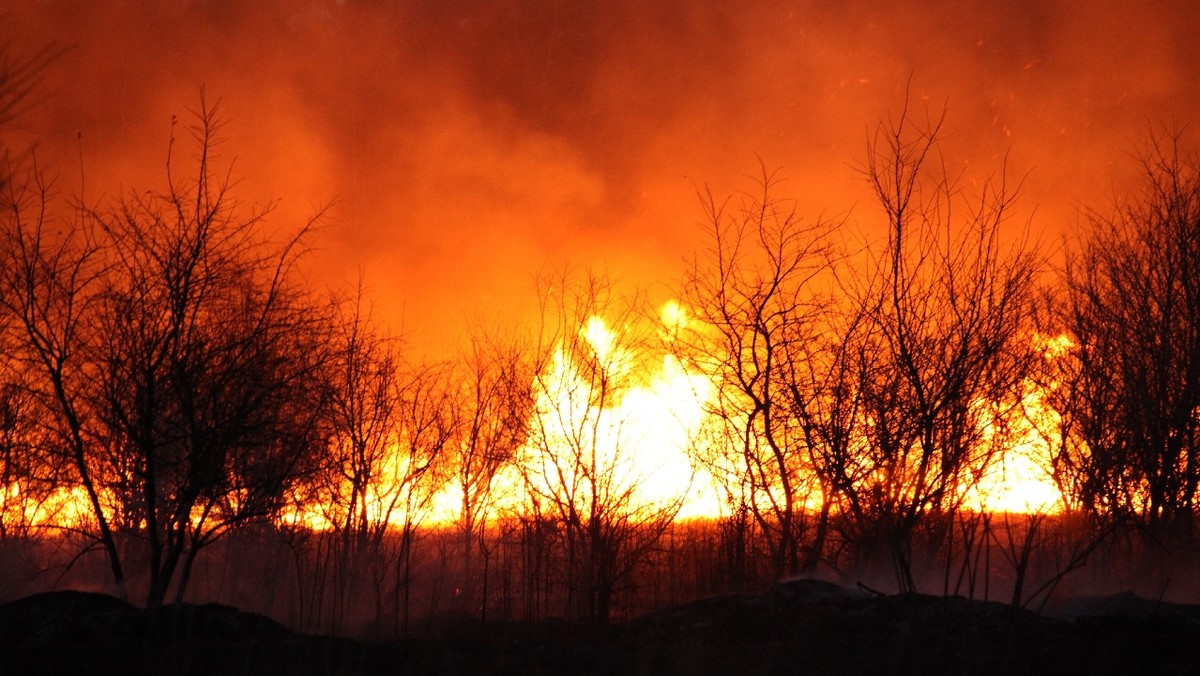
{"points": [[363, 401], [28, 472], [760, 295], [50, 290], [494, 398], [176, 358], [29, 475], [427, 423], [579, 463], [947, 343], [355, 521], [348, 493], [1132, 315], [208, 360]]}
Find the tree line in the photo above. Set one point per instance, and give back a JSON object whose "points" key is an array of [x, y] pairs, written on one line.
{"points": [[166, 361]]}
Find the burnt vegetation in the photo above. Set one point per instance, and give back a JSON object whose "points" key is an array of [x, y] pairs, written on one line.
{"points": [[184, 419]]}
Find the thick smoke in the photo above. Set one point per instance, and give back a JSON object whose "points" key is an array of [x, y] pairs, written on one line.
{"points": [[465, 144]]}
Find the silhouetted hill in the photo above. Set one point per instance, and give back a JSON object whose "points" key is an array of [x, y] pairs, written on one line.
{"points": [[807, 626], [797, 627], [87, 633]]}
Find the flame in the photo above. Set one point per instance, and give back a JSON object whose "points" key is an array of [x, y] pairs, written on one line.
{"points": [[640, 436], [394, 499], [645, 438], [601, 339], [1021, 481], [64, 507]]}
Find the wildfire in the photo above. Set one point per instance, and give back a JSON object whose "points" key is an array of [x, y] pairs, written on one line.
{"points": [[641, 436], [639, 433], [1020, 481], [62, 507]]}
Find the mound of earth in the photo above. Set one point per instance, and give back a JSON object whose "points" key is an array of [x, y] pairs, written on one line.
{"points": [[809, 626], [796, 627], [87, 633]]}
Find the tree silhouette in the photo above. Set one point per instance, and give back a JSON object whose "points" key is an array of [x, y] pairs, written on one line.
{"points": [[1132, 314], [578, 466], [208, 365], [29, 474], [177, 359], [494, 399], [50, 288], [363, 402], [362, 380], [28, 471], [427, 423], [760, 293], [946, 348]]}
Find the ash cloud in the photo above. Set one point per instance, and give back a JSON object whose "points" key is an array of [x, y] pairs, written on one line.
{"points": [[466, 144]]}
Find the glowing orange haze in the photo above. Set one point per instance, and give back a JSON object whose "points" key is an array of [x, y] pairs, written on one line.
{"points": [[465, 144]]}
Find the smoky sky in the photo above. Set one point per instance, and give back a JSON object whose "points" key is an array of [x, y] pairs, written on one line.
{"points": [[460, 146]]}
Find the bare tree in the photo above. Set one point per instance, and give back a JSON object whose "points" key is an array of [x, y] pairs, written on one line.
{"points": [[362, 376], [760, 293], [579, 463], [29, 473], [494, 398], [427, 424], [356, 519], [50, 289], [947, 342], [178, 358], [30, 481], [1132, 316], [363, 402]]}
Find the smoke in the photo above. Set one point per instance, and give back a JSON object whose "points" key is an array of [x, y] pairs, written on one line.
{"points": [[463, 145]]}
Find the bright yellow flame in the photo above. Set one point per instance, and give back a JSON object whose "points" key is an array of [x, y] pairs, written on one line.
{"points": [[1021, 481], [646, 437], [662, 419], [639, 438], [674, 317], [1017, 485], [1054, 347], [601, 339], [63, 507], [399, 494], [308, 516]]}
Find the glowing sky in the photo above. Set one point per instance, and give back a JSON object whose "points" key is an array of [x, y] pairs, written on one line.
{"points": [[464, 144]]}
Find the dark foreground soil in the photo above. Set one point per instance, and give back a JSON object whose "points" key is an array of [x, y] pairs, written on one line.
{"points": [[801, 627]]}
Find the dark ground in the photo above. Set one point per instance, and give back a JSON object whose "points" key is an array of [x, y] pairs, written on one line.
{"points": [[798, 627]]}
